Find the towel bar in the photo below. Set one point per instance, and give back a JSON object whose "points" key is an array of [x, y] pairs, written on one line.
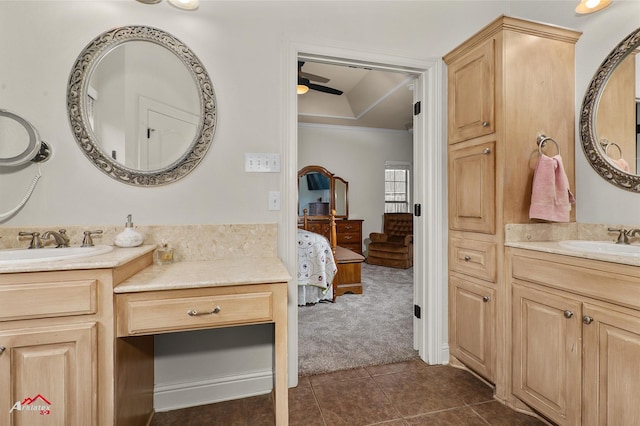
{"points": [[542, 141]]}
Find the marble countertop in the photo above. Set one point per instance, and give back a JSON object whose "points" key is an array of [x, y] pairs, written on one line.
{"points": [[556, 248], [117, 257], [206, 273]]}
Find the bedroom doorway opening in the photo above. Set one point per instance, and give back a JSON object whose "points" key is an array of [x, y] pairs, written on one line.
{"points": [[429, 169]]}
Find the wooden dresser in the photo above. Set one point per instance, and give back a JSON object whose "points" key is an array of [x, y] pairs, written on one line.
{"points": [[349, 232]]}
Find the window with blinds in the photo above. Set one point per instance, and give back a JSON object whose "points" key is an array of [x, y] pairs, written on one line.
{"points": [[397, 187]]}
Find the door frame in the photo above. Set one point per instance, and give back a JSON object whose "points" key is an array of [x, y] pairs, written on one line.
{"points": [[430, 272]]}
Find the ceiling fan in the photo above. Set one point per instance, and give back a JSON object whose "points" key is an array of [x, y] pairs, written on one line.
{"points": [[305, 79]]}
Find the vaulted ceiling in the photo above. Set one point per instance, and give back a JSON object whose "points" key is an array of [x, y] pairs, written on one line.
{"points": [[370, 98]]}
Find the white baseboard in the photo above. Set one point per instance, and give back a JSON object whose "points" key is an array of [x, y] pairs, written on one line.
{"points": [[444, 353], [172, 396]]}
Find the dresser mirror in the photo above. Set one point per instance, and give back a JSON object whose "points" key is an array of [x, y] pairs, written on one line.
{"points": [[610, 116], [141, 106], [320, 191]]}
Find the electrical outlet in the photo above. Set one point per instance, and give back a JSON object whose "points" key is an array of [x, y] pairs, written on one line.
{"points": [[274, 200]]}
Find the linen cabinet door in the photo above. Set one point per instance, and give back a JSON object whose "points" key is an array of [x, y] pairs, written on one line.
{"points": [[472, 324], [611, 385], [471, 94], [472, 188], [547, 353], [48, 376]]}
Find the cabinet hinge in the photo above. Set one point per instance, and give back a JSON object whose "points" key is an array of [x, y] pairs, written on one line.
{"points": [[417, 311], [417, 108]]}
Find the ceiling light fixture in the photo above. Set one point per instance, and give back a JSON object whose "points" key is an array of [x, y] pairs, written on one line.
{"points": [[180, 4], [302, 89], [590, 6], [185, 4]]}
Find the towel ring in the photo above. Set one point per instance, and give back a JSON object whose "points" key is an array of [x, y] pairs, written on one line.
{"points": [[542, 141], [606, 144]]}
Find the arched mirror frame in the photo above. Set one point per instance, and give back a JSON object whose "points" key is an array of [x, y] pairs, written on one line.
{"points": [[588, 132], [77, 107], [332, 188]]}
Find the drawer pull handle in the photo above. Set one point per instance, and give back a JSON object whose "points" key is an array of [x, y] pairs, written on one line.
{"points": [[467, 258], [348, 237], [2, 349], [587, 319], [568, 314], [485, 124], [194, 313], [485, 299], [486, 151]]}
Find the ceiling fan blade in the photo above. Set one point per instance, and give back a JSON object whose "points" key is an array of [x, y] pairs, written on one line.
{"points": [[324, 89], [314, 77]]}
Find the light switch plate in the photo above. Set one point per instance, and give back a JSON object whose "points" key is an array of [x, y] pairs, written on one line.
{"points": [[261, 163], [274, 200]]}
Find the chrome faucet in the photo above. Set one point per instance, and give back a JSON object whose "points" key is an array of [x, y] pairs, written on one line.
{"points": [[35, 243], [624, 234], [60, 237]]}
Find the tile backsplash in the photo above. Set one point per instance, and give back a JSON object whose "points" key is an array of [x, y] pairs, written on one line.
{"points": [[190, 242]]}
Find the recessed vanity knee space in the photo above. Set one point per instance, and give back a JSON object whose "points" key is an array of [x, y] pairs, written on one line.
{"points": [[77, 335]]}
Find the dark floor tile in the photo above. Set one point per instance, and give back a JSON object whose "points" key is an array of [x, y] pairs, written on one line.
{"points": [[464, 416], [229, 413], [354, 402], [400, 367], [303, 408], [303, 382], [338, 376], [420, 392], [497, 414], [259, 410]]}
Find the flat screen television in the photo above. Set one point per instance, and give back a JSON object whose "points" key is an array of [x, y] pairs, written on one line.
{"points": [[317, 181]]}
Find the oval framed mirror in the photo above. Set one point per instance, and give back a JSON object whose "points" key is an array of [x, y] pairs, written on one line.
{"points": [[141, 106], [610, 116]]}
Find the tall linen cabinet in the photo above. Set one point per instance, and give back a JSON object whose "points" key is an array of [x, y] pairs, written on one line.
{"points": [[507, 84]]}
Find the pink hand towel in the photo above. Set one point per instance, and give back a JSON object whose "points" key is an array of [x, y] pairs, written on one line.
{"points": [[551, 197], [621, 163]]}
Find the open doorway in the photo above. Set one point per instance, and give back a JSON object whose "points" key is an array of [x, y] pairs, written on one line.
{"points": [[429, 190], [357, 123]]}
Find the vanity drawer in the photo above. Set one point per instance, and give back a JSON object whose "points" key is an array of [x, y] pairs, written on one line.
{"points": [[48, 299], [160, 313], [472, 257]]}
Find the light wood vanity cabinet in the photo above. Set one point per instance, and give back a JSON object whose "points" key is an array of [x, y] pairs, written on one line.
{"points": [[575, 338], [471, 93], [473, 327], [508, 83], [57, 332]]}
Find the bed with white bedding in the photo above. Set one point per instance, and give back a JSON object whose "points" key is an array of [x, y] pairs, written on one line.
{"points": [[316, 268]]}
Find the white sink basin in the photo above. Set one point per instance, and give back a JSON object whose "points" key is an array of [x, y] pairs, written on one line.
{"points": [[23, 255], [604, 247]]}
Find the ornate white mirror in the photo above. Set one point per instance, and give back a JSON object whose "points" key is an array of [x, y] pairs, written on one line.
{"points": [[610, 116], [141, 106]]}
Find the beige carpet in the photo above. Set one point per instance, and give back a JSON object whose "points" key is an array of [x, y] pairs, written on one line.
{"points": [[373, 328]]}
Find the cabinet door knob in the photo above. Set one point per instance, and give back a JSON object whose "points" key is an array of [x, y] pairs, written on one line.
{"points": [[195, 313], [568, 314], [587, 319], [2, 349], [486, 151], [467, 258], [485, 124], [485, 299]]}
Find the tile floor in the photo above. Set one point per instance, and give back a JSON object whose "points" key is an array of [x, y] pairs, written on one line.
{"points": [[403, 394]]}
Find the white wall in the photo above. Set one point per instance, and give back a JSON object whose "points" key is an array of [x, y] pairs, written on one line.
{"points": [[241, 44], [357, 155]]}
